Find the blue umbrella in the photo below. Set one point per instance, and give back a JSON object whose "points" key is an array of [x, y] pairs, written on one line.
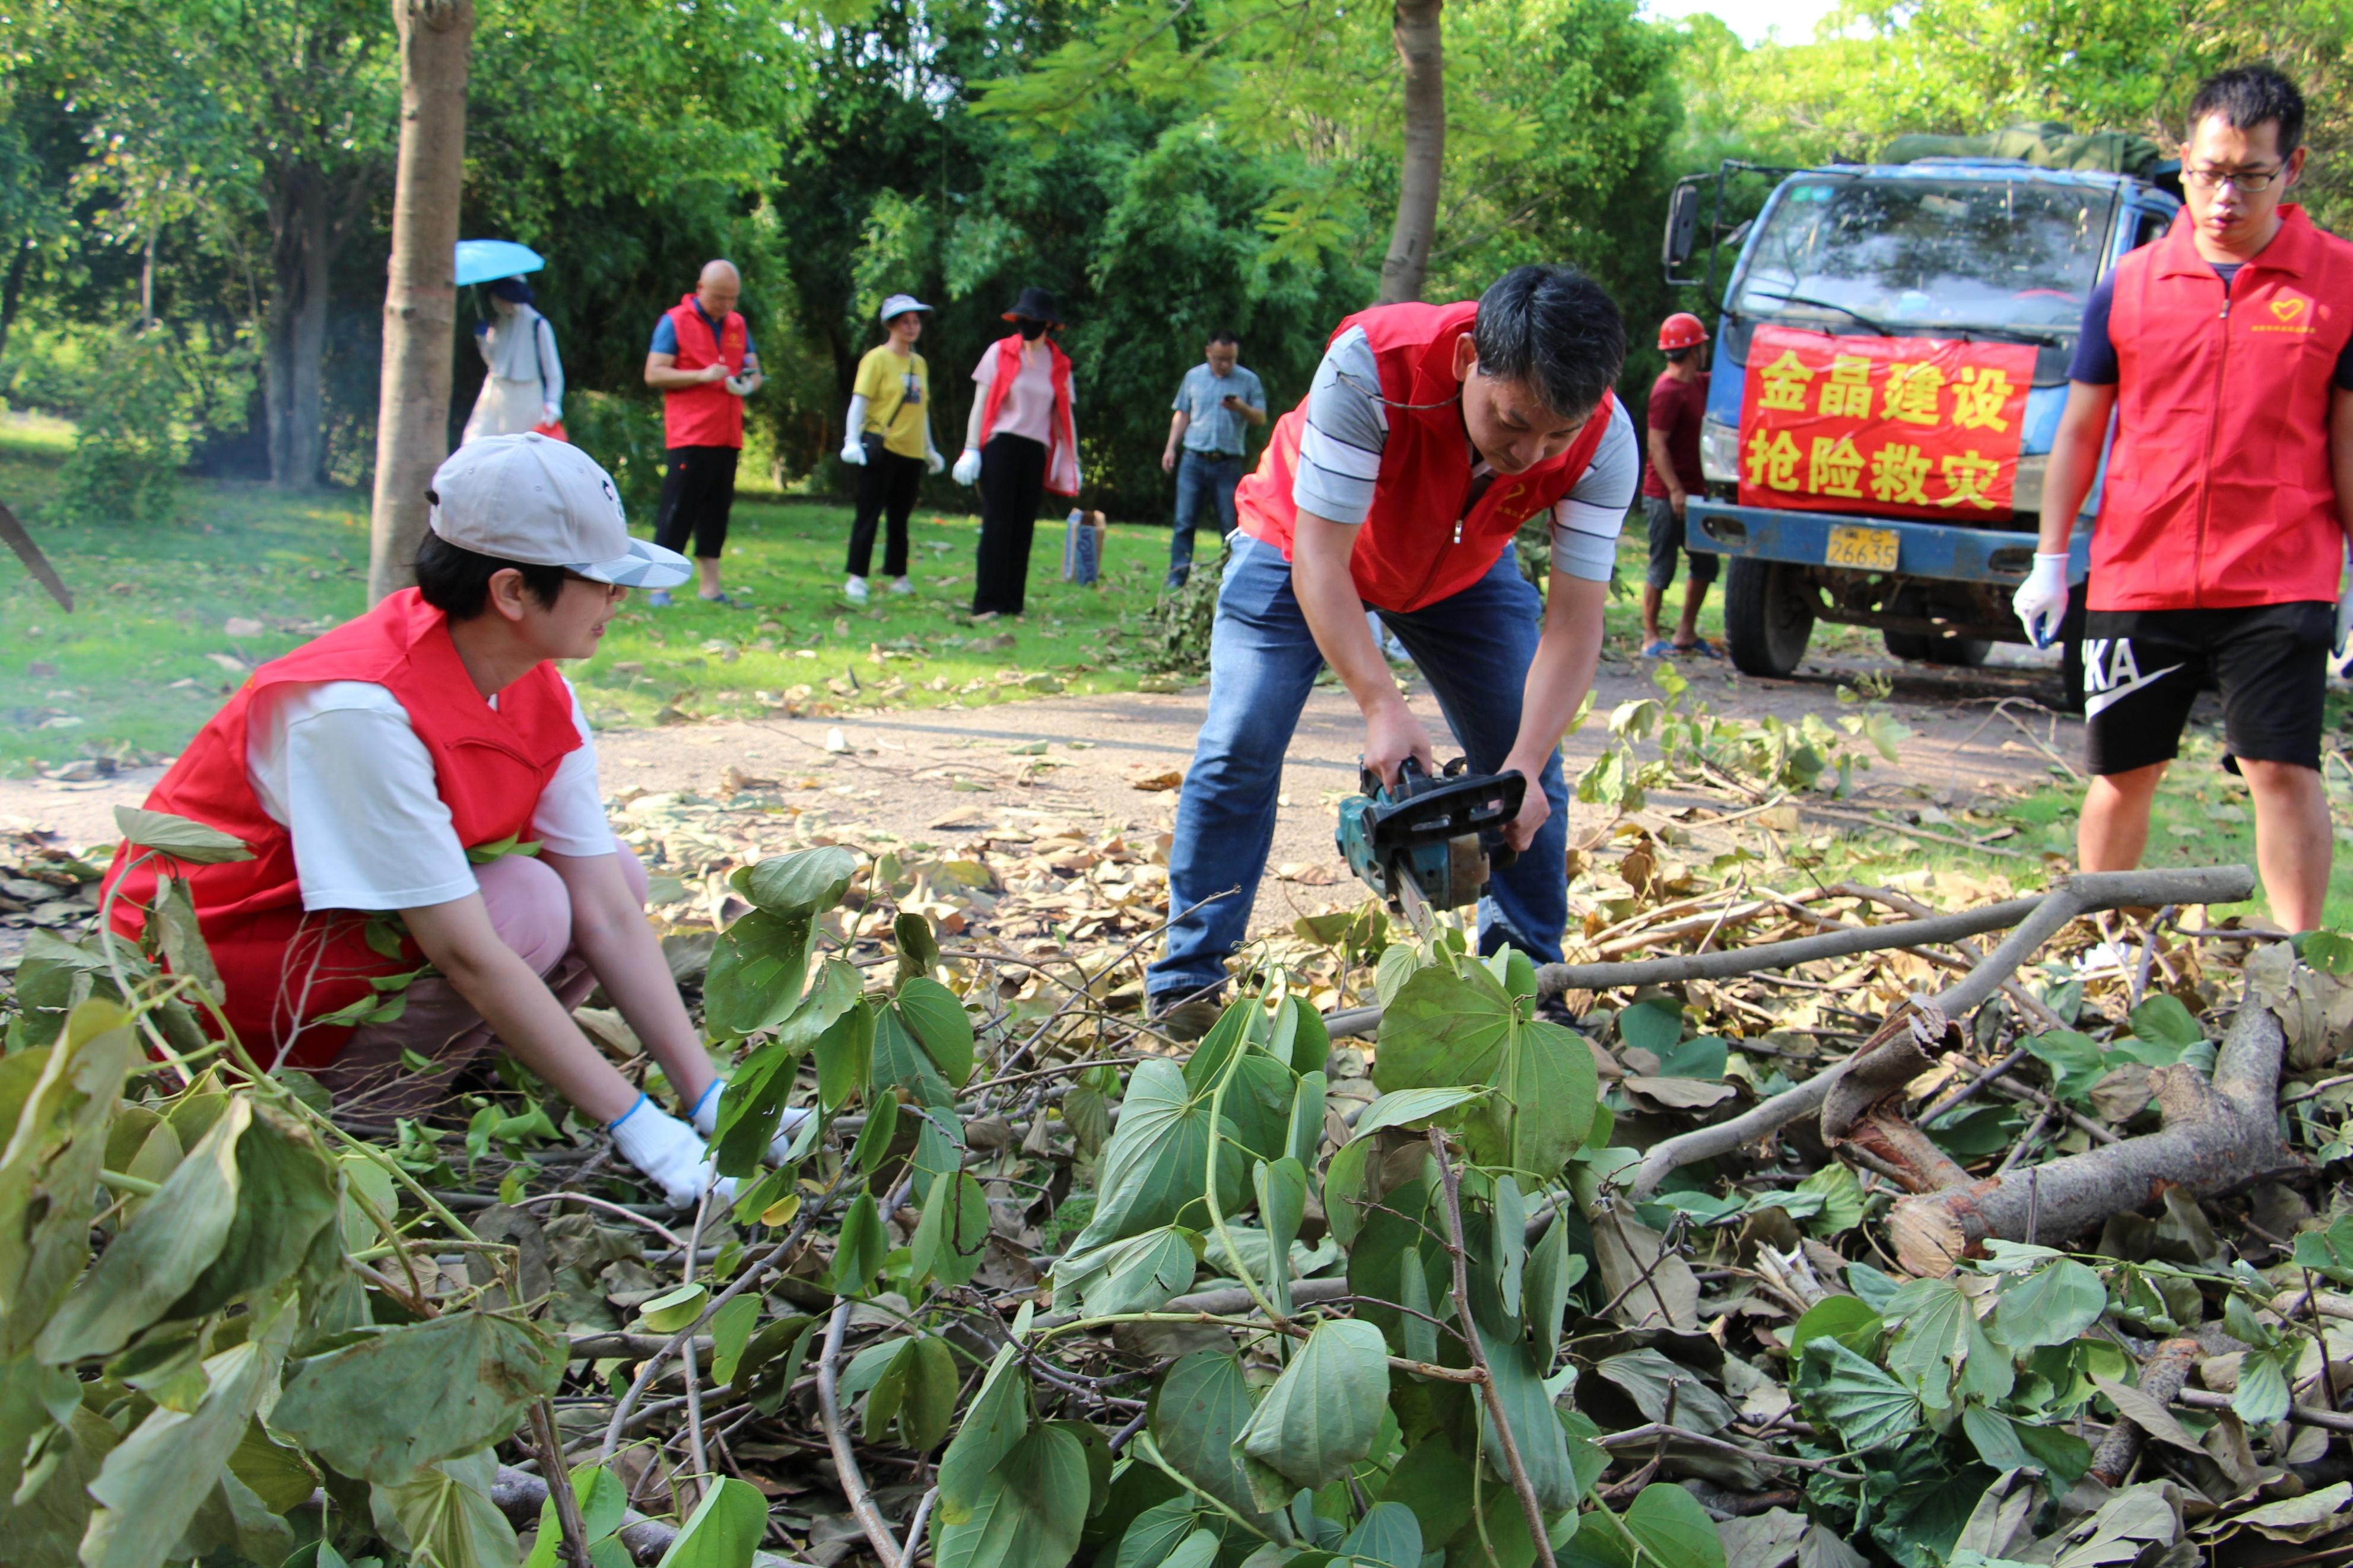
{"points": [[483, 260]]}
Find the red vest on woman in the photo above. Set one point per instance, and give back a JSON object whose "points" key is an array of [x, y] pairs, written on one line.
{"points": [[1420, 542], [709, 415], [1062, 431], [2219, 492], [281, 967]]}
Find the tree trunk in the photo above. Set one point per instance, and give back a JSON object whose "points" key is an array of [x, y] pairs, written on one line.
{"points": [[301, 245], [420, 297], [1421, 52]]}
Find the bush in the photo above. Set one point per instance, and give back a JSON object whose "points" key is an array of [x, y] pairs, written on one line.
{"points": [[624, 433], [125, 466]]}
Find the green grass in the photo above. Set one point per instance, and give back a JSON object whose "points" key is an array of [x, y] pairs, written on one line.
{"points": [[136, 667]]}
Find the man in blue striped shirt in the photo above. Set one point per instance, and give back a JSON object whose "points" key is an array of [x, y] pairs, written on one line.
{"points": [[1215, 405]]}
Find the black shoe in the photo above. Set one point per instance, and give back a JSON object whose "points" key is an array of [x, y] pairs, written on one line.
{"points": [[1185, 1016]]}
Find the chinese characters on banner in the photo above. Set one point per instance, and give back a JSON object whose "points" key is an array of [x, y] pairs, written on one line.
{"points": [[1898, 426]]}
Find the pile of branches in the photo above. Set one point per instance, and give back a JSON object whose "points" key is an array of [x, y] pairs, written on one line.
{"points": [[1564, 1264]]}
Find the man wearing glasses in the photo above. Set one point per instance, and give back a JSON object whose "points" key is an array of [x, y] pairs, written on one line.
{"points": [[2222, 351]]}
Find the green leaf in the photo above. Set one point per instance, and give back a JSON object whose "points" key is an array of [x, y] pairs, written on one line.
{"points": [[933, 1384], [1198, 1416], [756, 973], [159, 1257], [993, 1422], [953, 1235], [803, 884], [1134, 1274], [153, 1482], [1527, 1406], [1842, 1317], [2331, 952], [1445, 1031], [1155, 1535], [1410, 1105], [401, 1399], [674, 1308], [182, 938], [1655, 1025], [730, 1334], [1841, 1199], [1281, 1205], [919, 945], [1938, 1342], [2162, 1020], [1306, 1135], [2329, 1252], [1553, 1272], [937, 1020], [1433, 1481], [2261, 1400], [1511, 1232], [1672, 1528], [446, 1513], [1299, 1037], [860, 1251], [1323, 1413], [1028, 1508], [1388, 1535], [1153, 1168], [2050, 1307], [845, 1058], [2076, 1060], [1866, 1407], [189, 842], [55, 1148], [1345, 1192]]}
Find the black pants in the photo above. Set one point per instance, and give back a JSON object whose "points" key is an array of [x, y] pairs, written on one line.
{"points": [[698, 493], [886, 483], [1012, 481]]}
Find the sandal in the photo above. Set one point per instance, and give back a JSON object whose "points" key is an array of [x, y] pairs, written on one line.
{"points": [[1701, 646], [1661, 648]]}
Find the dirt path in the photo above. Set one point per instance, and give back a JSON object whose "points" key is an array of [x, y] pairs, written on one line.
{"points": [[943, 773]]}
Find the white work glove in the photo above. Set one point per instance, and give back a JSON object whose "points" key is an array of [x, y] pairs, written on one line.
{"points": [[933, 461], [705, 1116], [669, 1153], [967, 468], [549, 414], [745, 384], [853, 450], [2041, 600]]}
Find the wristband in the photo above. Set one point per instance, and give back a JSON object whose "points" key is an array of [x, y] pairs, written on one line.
{"points": [[614, 1125], [705, 1097]]}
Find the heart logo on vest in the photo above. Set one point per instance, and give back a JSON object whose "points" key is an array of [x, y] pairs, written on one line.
{"points": [[2288, 308]]}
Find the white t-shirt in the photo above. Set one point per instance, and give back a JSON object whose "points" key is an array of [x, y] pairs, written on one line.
{"points": [[1028, 406], [338, 766]]}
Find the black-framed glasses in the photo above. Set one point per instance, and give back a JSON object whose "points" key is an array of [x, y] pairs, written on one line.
{"points": [[611, 590], [2247, 180]]}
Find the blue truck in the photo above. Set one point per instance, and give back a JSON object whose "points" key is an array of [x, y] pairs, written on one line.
{"points": [[1967, 249]]}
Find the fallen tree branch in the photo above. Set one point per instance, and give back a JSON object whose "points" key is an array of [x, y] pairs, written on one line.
{"points": [[520, 1495], [2036, 924], [2161, 1377], [2216, 1136], [879, 1533], [2301, 1414]]}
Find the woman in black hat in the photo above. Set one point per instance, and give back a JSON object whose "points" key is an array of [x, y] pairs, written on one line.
{"points": [[1022, 441]]}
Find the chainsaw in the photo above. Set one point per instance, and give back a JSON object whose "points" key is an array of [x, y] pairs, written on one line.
{"points": [[1430, 843]]}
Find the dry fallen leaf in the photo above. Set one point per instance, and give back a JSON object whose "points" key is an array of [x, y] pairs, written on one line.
{"points": [[1149, 782]]}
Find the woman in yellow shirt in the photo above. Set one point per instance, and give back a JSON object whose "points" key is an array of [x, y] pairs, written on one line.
{"points": [[889, 443]]}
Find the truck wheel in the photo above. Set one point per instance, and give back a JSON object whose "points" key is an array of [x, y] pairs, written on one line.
{"points": [[1768, 616]]}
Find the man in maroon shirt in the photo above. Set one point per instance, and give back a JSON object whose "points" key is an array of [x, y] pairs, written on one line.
{"points": [[1678, 400]]}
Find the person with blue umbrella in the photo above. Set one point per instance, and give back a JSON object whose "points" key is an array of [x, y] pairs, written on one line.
{"points": [[523, 389]]}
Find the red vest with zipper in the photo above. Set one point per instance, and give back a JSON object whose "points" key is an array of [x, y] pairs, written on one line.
{"points": [[709, 415], [2219, 492], [1420, 544], [281, 967]]}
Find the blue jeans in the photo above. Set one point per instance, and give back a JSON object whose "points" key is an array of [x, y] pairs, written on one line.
{"points": [[1201, 477], [1474, 647]]}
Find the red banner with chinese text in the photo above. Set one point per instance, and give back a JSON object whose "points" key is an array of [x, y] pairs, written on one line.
{"points": [[1899, 427]]}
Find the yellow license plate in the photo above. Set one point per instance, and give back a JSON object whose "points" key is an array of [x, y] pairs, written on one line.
{"points": [[1866, 549]]}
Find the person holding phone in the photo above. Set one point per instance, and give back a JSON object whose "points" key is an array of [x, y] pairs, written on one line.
{"points": [[1217, 403], [889, 441]]}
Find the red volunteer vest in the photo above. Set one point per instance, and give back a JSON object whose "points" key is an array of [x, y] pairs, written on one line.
{"points": [[709, 415], [1061, 445], [279, 967], [2219, 492], [1420, 544]]}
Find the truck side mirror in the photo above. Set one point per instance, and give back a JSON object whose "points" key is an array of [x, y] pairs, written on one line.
{"points": [[1683, 227]]}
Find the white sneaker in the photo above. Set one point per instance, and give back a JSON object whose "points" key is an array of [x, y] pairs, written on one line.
{"points": [[854, 590], [900, 585]]}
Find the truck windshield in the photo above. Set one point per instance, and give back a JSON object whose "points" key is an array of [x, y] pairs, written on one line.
{"points": [[1928, 253]]}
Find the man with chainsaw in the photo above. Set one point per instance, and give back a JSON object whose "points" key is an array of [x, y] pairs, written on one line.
{"points": [[1429, 433], [2223, 351]]}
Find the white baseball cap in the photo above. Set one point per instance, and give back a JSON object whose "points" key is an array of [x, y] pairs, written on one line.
{"points": [[899, 304], [539, 501]]}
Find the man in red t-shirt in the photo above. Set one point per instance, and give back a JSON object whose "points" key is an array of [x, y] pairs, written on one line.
{"points": [[2224, 351], [1670, 477]]}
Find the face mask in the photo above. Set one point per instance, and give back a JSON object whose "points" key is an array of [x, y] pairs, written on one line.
{"points": [[1029, 330]]}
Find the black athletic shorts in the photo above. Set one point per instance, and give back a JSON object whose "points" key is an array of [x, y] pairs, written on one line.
{"points": [[2143, 668]]}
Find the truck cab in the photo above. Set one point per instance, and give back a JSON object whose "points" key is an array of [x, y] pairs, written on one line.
{"points": [[1887, 374]]}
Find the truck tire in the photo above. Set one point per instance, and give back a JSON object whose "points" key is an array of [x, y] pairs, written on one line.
{"points": [[1768, 616]]}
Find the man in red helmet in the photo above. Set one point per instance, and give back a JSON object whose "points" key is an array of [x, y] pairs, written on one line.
{"points": [[1678, 401]]}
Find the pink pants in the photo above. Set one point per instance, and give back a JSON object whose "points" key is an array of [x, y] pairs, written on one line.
{"points": [[530, 909]]}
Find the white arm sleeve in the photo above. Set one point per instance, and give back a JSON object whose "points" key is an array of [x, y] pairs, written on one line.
{"points": [[1346, 427], [857, 416], [551, 368], [570, 818], [1585, 521]]}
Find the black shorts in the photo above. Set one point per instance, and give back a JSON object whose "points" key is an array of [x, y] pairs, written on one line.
{"points": [[697, 496], [2143, 668], [1666, 531]]}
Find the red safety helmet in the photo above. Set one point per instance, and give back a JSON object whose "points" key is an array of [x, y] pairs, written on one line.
{"points": [[1682, 330]]}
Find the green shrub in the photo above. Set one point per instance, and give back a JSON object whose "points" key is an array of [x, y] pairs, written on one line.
{"points": [[624, 433], [127, 455]]}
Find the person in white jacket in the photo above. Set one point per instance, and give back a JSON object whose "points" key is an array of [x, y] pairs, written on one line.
{"points": [[525, 388]]}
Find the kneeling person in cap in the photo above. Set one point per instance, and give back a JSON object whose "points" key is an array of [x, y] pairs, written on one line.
{"points": [[370, 769]]}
